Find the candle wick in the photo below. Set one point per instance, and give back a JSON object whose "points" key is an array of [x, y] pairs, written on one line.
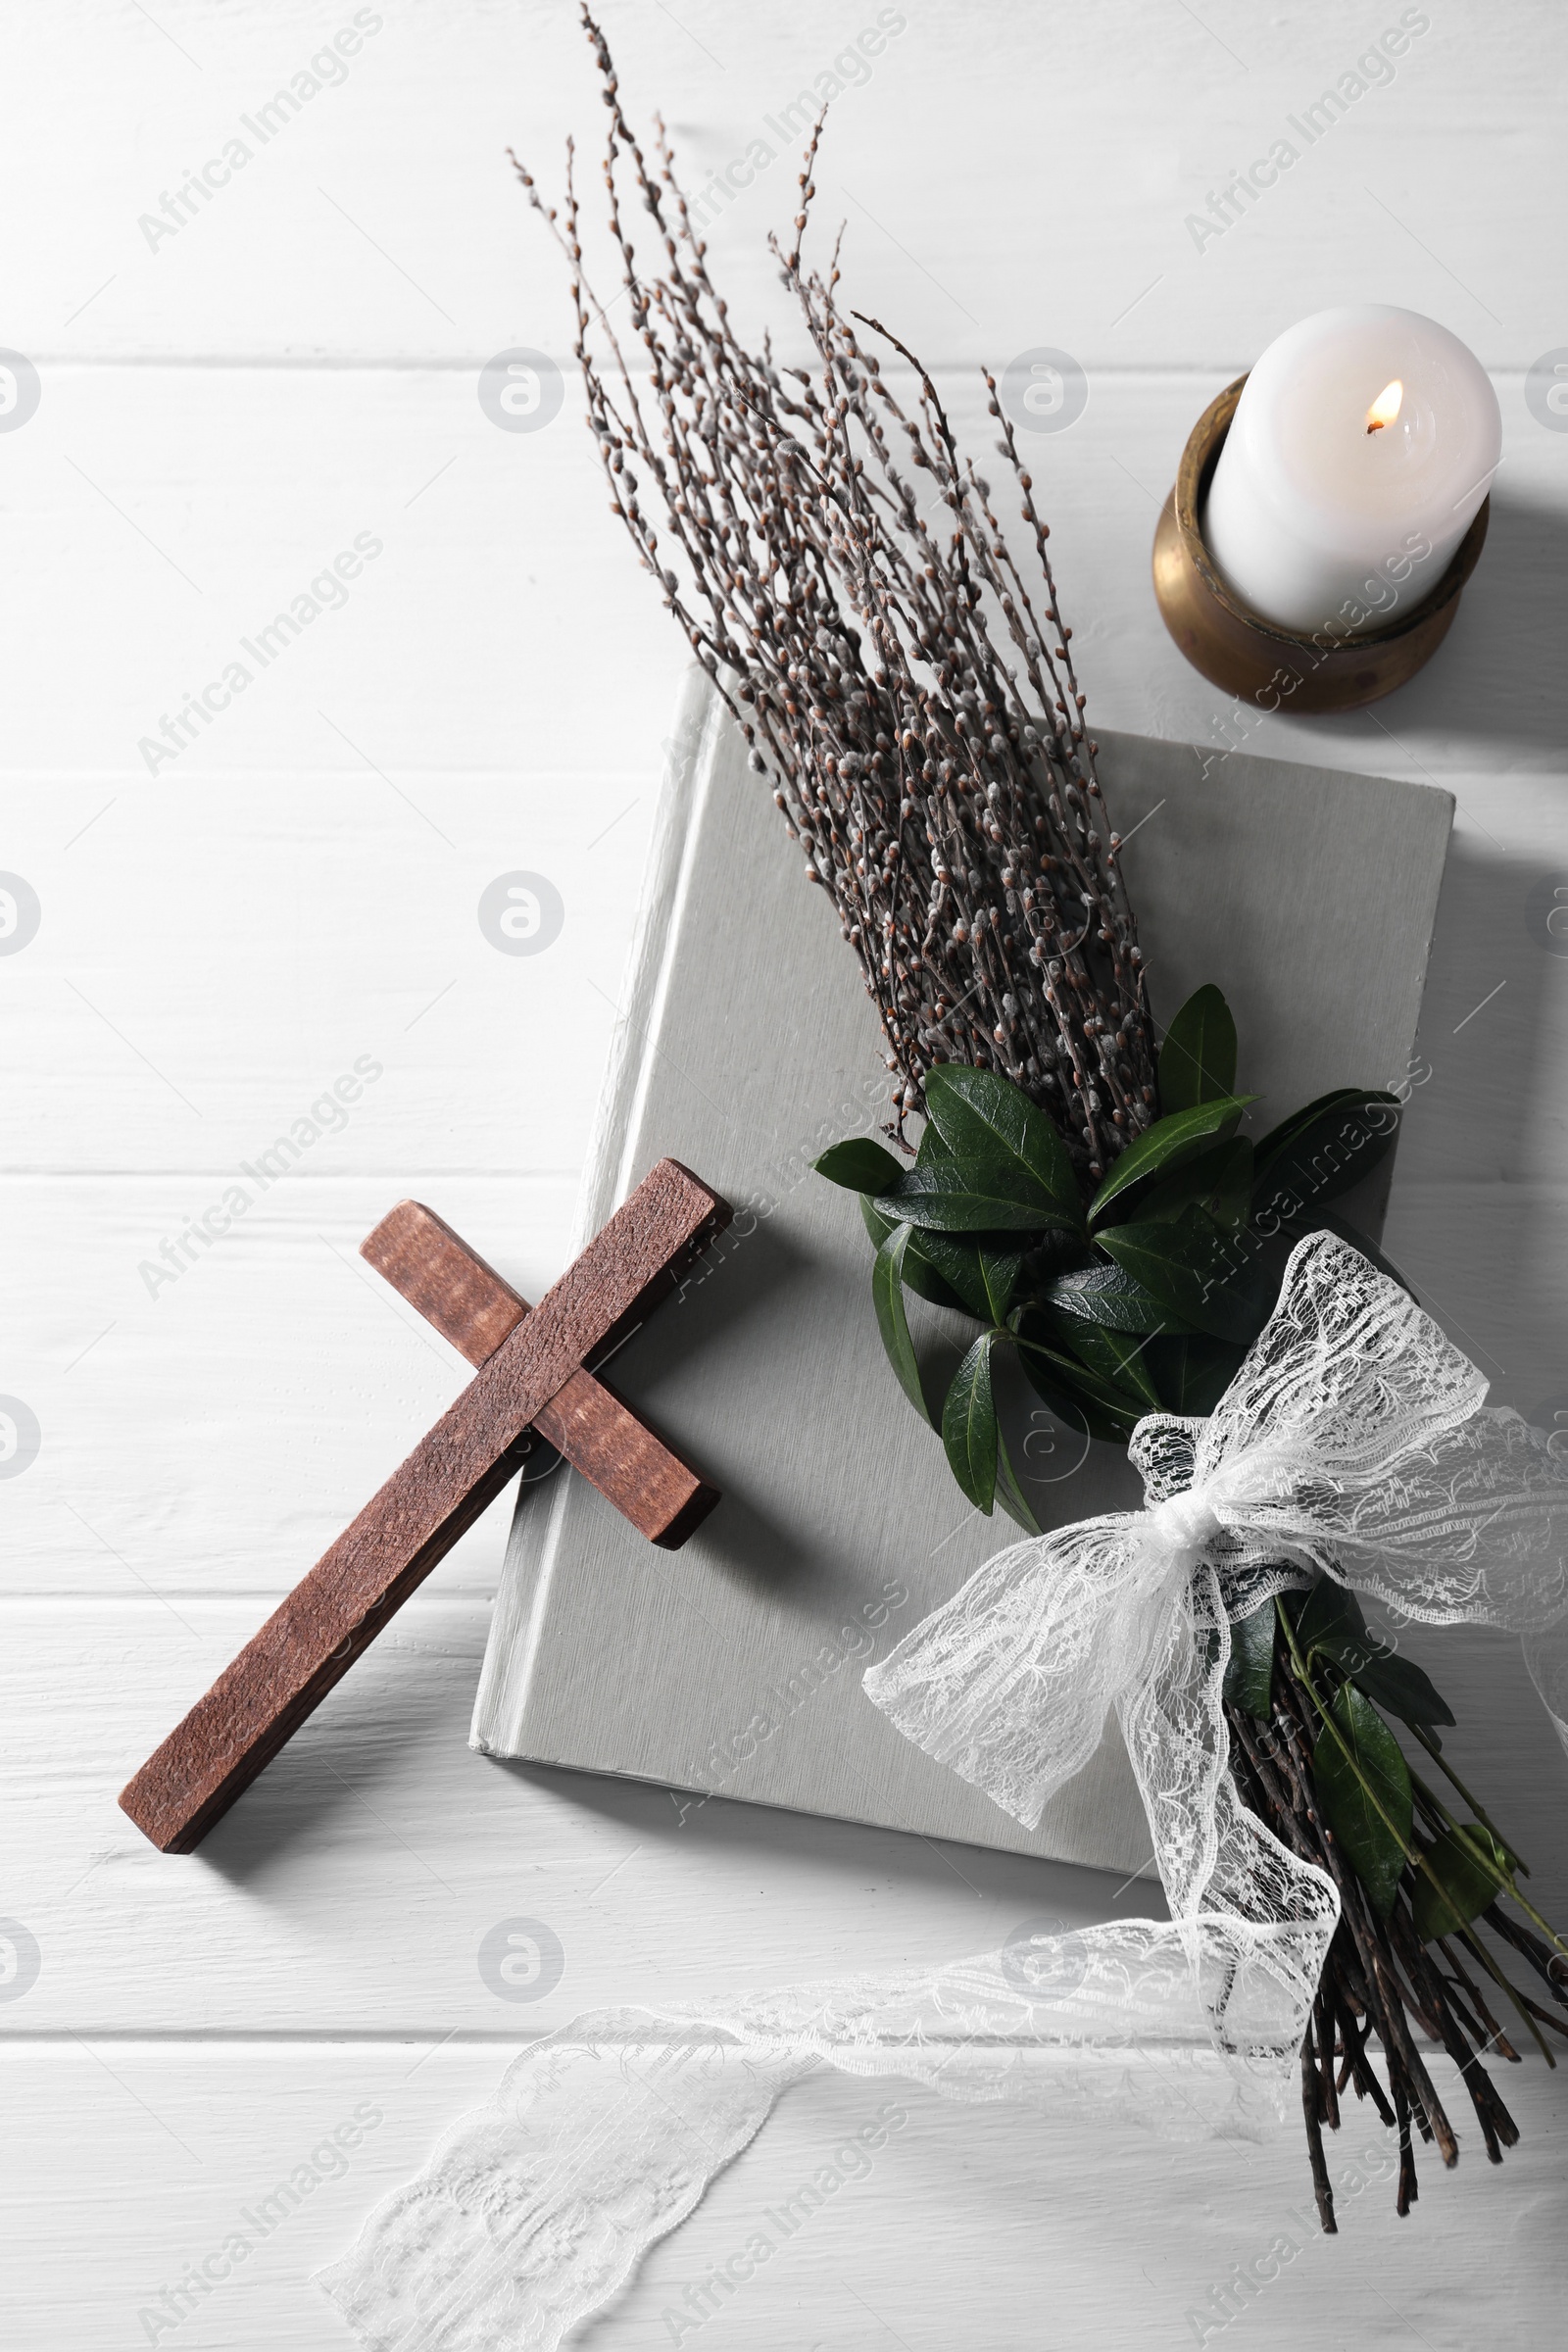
{"points": [[1386, 407]]}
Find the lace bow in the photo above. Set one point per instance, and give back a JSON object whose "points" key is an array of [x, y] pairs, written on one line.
{"points": [[1354, 1441]]}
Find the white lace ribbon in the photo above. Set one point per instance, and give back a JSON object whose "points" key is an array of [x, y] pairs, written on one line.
{"points": [[1353, 1439]]}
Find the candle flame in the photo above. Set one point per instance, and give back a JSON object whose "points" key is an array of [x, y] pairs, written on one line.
{"points": [[1386, 407]]}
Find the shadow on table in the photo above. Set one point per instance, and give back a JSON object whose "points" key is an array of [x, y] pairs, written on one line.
{"points": [[1500, 676], [658, 1817], [1460, 1217]]}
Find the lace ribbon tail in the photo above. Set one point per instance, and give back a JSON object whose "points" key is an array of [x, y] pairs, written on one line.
{"points": [[537, 2206]]}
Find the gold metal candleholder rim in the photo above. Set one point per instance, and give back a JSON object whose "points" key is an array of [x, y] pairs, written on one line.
{"points": [[1237, 649]]}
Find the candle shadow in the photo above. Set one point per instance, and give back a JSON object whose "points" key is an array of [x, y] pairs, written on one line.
{"points": [[1499, 676]]}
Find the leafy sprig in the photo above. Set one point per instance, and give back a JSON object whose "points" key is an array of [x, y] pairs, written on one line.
{"points": [[1137, 1296]]}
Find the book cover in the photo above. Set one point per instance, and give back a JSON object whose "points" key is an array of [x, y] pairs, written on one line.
{"points": [[746, 1043]]}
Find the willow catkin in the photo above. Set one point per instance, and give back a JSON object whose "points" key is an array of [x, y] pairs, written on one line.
{"points": [[913, 703]]}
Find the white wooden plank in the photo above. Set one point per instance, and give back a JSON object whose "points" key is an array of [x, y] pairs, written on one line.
{"points": [[210, 964], [1012, 176], [217, 1434], [956, 2228], [508, 629], [166, 517], [352, 1886]]}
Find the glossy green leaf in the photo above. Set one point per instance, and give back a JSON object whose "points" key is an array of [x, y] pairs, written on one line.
{"points": [[1375, 1852], [1168, 1143], [1117, 1358], [1399, 1687], [969, 1426], [860, 1164], [999, 1270], [1277, 1138], [957, 1259], [1331, 1625], [1329, 1617], [1219, 1181], [968, 1196], [1325, 1150], [1059, 1379], [1197, 1060], [1249, 1675], [1106, 1293], [1010, 1492], [984, 1117], [1205, 1280], [887, 1291], [1192, 1371], [1052, 1377], [1467, 1887], [920, 1272]]}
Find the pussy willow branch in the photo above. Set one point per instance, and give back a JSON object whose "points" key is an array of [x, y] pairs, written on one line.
{"points": [[945, 794]]}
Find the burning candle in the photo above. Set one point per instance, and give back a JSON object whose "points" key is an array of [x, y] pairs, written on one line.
{"points": [[1362, 444]]}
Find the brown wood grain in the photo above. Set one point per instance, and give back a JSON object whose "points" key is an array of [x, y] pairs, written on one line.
{"points": [[473, 1307], [454, 1472]]}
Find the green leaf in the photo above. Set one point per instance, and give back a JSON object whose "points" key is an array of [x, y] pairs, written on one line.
{"points": [[920, 1272], [1324, 1150], [1103, 1293], [1062, 1380], [969, 1195], [957, 1262], [1330, 1618], [860, 1164], [1009, 1494], [1331, 1625], [1467, 1887], [1249, 1676], [1204, 1283], [1117, 1358], [984, 1117], [1288, 1129], [1197, 1060], [887, 1291], [1192, 1371], [1167, 1144], [1401, 1687], [999, 1271], [1375, 1852], [1219, 1180], [969, 1425]]}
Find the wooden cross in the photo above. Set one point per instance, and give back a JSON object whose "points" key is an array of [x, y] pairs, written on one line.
{"points": [[530, 1376]]}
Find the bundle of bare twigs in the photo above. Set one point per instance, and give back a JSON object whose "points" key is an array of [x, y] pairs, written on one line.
{"points": [[1378, 1980], [945, 794]]}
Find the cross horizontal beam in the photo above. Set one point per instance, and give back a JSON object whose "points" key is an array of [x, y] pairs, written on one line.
{"points": [[471, 1304]]}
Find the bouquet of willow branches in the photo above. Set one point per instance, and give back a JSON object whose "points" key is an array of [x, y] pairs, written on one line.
{"points": [[842, 573]]}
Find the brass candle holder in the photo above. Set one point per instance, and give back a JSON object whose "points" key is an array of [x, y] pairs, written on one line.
{"points": [[1250, 656]]}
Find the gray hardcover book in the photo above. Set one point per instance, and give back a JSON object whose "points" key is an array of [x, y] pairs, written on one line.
{"points": [[746, 1043]]}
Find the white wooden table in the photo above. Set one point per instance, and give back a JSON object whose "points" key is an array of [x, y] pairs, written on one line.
{"points": [[224, 409]]}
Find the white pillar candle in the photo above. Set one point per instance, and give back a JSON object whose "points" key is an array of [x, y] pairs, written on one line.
{"points": [[1363, 442]]}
